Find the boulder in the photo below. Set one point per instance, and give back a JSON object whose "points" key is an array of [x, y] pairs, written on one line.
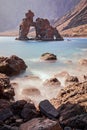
{"points": [[53, 82], [83, 62], [28, 112], [71, 79], [18, 106], [48, 57], [40, 124], [48, 109], [12, 65]]}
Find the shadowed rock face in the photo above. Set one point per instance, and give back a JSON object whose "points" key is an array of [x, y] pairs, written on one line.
{"points": [[12, 65], [44, 31]]}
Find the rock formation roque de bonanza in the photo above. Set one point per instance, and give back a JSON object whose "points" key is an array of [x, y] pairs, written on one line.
{"points": [[44, 31]]}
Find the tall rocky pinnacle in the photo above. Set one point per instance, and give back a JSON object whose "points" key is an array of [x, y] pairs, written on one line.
{"points": [[44, 31]]}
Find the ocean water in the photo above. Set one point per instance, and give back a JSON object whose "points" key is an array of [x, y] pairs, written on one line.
{"points": [[68, 52]]}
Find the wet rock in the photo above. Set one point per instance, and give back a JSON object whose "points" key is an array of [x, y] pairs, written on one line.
{"points": [[71, 79], [72, 105], [48, 109], [40, 124], [48, 57], [18, 106], [31, 91], [29, 112], [5, 114], [62, 74], [83, 62], [12, 65], [53, 82], [79, 121]]}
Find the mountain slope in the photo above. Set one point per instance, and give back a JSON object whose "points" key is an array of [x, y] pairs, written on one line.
{"points": [[75, 22], [12, 11]]}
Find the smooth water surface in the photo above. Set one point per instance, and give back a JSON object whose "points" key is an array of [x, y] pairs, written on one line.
{"points": [[68, 52]]}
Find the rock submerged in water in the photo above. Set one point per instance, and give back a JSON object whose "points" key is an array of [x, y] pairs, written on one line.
{"points": [[71, 80], [53, 82], [48, 57], [12, 65]]}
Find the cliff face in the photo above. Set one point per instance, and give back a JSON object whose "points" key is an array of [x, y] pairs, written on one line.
{"points": [[74, 23], [11, 12]]}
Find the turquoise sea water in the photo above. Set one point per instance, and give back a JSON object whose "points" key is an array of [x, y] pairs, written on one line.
{"points": [[69, 49], [68, 52]]}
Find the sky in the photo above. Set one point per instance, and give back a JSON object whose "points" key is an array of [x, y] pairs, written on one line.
{"points": [[12, 11]]}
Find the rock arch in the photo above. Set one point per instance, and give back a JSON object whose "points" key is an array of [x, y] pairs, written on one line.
{"points": [[44, 31]]}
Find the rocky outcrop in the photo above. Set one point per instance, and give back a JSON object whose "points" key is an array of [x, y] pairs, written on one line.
{"points": [[48, 109], [48, 57], [44, 31], [72, 105], [6, 91], [40, 124], [53, 82], [12, 65]]}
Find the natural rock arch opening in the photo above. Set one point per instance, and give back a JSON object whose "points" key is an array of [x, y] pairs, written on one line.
{"points": [[44, 31]]}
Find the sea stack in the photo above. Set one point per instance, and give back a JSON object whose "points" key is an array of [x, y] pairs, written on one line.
{"points": [[44, 31]]}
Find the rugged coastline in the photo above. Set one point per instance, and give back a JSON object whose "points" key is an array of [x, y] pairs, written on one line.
{"points": [[69, 109]]}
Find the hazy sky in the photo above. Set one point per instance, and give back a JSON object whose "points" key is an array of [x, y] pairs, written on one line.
{"points": [[12, 11]]}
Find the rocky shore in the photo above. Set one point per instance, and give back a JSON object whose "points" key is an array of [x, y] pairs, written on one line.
{"points": [[68, 111]]}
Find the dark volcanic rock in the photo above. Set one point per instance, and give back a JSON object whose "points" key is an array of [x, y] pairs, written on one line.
{"points": [[68, 111], [12, 65], [40, 124], [5, 114], [29, 112], [48, 56], [4, 104], [48, 109], [72, 105], [18, 106], [6, 127]]}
